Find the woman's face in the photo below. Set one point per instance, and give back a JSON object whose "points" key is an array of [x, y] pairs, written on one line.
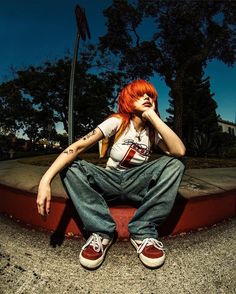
{"points": [[143, 103]]}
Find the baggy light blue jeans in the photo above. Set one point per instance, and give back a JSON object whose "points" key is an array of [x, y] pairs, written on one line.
{"points": [[152, 186]]}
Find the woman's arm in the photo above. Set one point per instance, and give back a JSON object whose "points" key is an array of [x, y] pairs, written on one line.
{"points": [[170, 142], [63, 160]]}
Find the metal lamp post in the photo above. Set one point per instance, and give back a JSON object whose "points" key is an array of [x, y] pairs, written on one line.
{"points": [[82, 32]]}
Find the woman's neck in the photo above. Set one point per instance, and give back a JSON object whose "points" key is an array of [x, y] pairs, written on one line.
{"points": [[139, 123]]}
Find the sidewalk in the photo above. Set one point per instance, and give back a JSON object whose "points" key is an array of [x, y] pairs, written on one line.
{"points": [[198, 263], [206, 196], [196, 182]]}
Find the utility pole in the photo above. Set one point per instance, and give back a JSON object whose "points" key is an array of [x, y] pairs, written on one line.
{"points": [[82, 32]]}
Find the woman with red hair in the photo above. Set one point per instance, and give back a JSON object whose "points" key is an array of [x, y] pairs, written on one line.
{"points": [[127, 138]]}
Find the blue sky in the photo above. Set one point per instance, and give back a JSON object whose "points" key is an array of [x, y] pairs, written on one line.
{"points": [[33, 31]]}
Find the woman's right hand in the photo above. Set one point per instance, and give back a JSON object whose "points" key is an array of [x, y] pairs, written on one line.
{"points": [[44, 198]]}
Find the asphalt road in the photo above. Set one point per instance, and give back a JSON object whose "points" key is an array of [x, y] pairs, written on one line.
{"points": [[200, 262]]}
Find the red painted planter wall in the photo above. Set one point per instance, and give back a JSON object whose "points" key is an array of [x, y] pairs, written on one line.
{"points": [[186, 215]]}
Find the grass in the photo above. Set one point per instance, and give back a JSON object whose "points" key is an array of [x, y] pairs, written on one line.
{"points": [[192, 162]]}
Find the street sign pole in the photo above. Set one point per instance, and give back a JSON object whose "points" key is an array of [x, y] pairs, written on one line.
{"points": [[71, 136], [82, 32]]}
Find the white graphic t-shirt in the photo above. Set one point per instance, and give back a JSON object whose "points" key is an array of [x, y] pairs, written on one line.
{"points": [[131, 149]]}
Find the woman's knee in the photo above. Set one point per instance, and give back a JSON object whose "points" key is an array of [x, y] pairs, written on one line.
{"points": [[177, 164], [71, 172]]}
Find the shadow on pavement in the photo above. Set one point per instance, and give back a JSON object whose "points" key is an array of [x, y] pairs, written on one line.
{"points": [[69, 212]]}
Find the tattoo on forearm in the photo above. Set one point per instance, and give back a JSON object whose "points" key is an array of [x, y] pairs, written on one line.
{"points": [[71, 151], [89, 135], [68, 151]]}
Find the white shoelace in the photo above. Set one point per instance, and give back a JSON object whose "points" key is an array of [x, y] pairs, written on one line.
{"points": [[96, 241], [148, 242]]}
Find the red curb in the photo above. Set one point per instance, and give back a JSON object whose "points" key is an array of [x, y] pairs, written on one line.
{"points": [[187, 214]]}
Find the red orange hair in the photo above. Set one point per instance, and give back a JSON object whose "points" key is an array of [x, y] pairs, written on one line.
{"points": [[126, 98], [128, 95], [133, 91]]}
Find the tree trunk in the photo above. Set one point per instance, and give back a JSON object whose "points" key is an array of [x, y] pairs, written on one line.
{"points": [[178, 109], [178, 119]]}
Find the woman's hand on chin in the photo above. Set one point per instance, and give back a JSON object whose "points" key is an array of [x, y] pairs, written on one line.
{"points": [[149, 112]]}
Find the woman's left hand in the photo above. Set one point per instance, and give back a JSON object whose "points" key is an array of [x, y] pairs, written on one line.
{"points": [[149, 112]]}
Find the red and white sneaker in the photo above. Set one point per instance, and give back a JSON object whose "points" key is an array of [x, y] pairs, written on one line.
{"points": [[150, 251], [94, 251]]}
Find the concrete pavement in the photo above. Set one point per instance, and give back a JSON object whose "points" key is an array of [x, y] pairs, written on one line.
{"points": [[200, 262]]}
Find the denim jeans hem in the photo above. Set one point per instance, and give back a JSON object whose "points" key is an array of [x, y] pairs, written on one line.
{"points": [[105, 236], [139, 238]]}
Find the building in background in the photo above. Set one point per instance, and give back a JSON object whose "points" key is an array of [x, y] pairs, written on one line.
{"points": [[227, 127]]}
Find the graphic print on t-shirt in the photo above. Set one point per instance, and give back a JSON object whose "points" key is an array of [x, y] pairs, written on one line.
{"points": [[136, 152]]}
